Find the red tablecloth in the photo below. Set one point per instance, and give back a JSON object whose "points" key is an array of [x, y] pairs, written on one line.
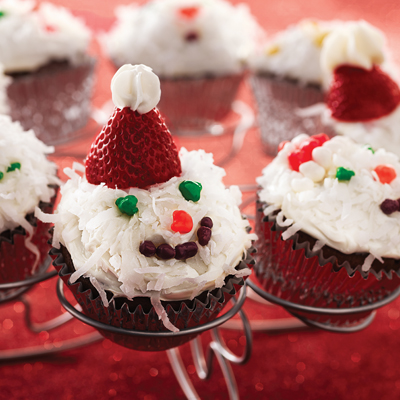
{"points": [[301, 365]]}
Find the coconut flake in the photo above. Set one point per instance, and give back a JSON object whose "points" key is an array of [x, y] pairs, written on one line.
{"points": [[368, 263], [98, 286], [160, 310]]}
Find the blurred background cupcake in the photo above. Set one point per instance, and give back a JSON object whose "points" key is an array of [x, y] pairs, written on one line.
{"points": [[288, 77], [363, 95], [199, 49], [27, 180], [44, 50], [328, 223]]}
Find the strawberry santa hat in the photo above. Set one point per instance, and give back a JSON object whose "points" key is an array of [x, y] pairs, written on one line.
{"points": [[359, 90], [135, 147]]}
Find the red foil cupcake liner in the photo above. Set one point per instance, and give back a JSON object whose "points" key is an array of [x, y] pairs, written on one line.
{"points": [[17, 262], [54, 101], [291, 271], [140, 315], [192, 106], [277, 103]]}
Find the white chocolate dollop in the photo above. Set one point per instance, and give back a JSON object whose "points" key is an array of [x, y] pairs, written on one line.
{"points": [[31, 38], [356, 43], [137, 87], [183, 38], [345, 215]]}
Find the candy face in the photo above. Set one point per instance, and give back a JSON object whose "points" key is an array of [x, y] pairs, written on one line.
{"points": [[147, 248], [165, 251], [190, 190], [386, 173], [185, 250], [127, 205], [206, 221], [344, 174], [182, 222], [203, 235]]}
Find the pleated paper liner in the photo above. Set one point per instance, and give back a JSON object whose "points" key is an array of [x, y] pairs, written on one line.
{"points": [[192, 106], [54, 101], [288, 269], [16, 260], [278, 100], [139, 314]]}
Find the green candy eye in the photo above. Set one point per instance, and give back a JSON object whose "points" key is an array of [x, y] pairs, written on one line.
{"points": [[1, 176], [14, 166], [2, 14], [127, 205], [344, 174], [190, 190]]}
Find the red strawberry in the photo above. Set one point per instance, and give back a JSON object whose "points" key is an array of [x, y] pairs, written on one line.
{"points": [[133, 150], [357, 94]]}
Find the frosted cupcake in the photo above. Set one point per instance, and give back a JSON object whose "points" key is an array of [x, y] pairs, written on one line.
{"points": [[148, 239], [27, 180], [328, 223], [288, 77], [44, 50], [198, 48], [363, 97]]}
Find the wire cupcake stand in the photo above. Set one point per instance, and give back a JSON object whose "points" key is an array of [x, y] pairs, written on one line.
{"points": [[216, 349]]}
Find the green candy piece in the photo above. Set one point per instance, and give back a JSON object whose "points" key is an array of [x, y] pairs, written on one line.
{"points": [[1, 176], [190, 190], [14, 166], [127, 205], [2, 14], [368, 147], [344, 174]]}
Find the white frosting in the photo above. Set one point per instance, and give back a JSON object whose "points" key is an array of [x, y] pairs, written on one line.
{"points": [[380, 133], [104, 243], [344, 215], [4, 82], [295, 52], [154, 34], [30, 38], [137, 87], [356, 43], [22, 190]]}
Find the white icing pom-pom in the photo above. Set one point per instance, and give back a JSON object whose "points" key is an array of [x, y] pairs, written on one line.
{"points": [[312, 170], [322, 156], [137, 87], [302, 184], [300, 139]]}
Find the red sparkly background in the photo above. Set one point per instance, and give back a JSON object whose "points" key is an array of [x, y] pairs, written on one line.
{"points": [[299, 365]]}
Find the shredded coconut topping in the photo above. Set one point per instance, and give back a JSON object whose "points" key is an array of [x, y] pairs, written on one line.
{"points": [[31, 37], [104, 243], [213, 37], [345, 215], [21, 190]]}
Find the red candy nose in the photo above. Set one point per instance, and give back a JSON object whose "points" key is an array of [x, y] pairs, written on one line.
{"points": [[182, 222]]}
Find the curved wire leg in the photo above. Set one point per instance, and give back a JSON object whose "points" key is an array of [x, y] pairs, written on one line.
{"points": [[49, 349], [46, 326]]}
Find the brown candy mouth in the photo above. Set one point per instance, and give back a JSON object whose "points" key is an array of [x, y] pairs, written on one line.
{"points": [[182, 251]]}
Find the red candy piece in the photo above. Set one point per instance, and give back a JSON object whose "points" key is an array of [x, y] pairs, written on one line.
{"points": [[182, 222], [304, 153], [50, 28], [357, 94], [386, 173], [133, 150], [282, 145], [189, 12]]}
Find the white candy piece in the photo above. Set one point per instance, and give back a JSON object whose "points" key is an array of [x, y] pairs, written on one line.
{"points": [[137, 87], [312, 170], [302, 184], [322, 156]]}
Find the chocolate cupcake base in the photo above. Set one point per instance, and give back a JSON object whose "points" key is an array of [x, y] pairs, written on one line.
{"points": [[138, 313], [327, 278]]}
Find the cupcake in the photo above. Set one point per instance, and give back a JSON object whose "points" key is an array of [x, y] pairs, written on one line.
{"points": [[363, 97], [148, 239], [288, 76], [198, 48], [328, 223], [44, 49], [27, 180]]}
